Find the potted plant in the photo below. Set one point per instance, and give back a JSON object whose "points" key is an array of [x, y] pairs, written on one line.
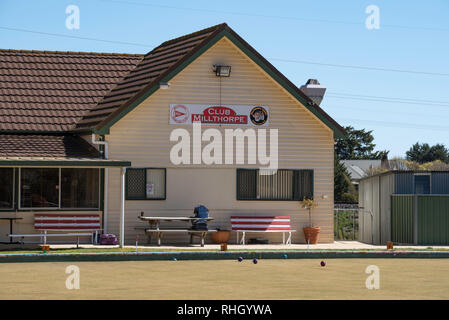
{"points": [[310, 232], [220, 236]]}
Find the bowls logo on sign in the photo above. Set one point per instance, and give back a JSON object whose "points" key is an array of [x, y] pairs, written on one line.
{"points": [[258, 115], [180, 113]]}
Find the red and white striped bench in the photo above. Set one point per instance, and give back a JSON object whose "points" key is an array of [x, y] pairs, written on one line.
{"points": [[244, 224], [75, 225]]}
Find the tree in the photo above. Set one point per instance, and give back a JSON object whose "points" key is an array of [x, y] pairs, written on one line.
{"points": [[423, 153], [358, 145], [343, 187]]}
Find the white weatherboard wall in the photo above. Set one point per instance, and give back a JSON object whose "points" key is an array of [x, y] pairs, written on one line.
{"points": [[142, 137]]}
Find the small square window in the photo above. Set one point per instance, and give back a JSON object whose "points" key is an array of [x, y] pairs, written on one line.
{"points": [[145, 184], [422, 184]]}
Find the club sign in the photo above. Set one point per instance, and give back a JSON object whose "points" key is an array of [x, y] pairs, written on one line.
{"points": [[219, 114]]}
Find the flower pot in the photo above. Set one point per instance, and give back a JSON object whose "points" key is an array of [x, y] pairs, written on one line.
{"points": [[221, 236], [311, 234]]}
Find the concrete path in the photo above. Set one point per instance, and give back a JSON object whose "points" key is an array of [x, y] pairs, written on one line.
{"points": [[337, 245]]}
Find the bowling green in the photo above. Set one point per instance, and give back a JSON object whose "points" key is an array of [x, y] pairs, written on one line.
{"points": [[229, 279]]}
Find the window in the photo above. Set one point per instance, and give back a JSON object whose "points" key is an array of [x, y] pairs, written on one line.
{"points": [[145, 184], [79, 188], [39, 188], [54, 188], [6, 188], [422, 184], [283, 185]]}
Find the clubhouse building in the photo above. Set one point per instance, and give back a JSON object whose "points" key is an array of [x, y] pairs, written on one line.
{"points": [[102, 133]]}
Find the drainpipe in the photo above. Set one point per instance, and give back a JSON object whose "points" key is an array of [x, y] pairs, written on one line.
{"points": [[106, 180], [122, 207]]}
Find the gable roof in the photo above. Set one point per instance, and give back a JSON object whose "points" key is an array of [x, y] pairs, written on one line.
{"points": [[170, 58], [148, 73], [358, 169], [124, 81], [50, 91]]}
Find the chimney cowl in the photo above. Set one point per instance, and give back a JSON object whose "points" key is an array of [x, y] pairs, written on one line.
{"points": [[314, 90]]}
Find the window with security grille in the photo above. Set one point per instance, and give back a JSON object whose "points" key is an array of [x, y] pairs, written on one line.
{"points": [[284, 184], [145, 184]]}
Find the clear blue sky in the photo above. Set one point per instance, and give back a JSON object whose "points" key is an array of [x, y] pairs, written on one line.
{"points": [[400, 107]]}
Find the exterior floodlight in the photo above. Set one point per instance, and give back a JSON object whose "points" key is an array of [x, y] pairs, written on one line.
{"points": [[164, 85], [222, 71]]}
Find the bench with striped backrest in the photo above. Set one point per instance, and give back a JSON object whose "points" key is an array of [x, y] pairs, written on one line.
{"points": [[74, 225], [244, 224]]}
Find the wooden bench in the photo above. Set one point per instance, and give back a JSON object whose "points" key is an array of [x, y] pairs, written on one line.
{"points": [[244, 224], [74, 225]]}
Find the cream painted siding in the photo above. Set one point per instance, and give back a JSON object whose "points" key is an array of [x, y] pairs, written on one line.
{"points": [[142, 137]]}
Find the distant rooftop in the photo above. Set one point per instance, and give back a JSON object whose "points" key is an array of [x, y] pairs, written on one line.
{"points": [[358, 169]]}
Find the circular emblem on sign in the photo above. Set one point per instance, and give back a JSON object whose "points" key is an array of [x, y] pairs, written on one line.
{"points": [[258, 115], [180, 113]]}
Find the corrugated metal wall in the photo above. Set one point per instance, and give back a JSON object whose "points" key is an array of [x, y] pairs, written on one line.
{"points": [[440, 182], [433, 220], [399, 214], [402, 219], [385, 190], [374, 197], [404, 183], [365, 201]]}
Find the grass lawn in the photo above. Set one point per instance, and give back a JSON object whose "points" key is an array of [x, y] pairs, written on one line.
{"points": [[227, 279]]}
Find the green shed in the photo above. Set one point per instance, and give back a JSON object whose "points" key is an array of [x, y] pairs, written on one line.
{"points": [[406, 207]]}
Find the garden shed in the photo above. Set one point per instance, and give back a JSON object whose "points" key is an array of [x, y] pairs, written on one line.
{"points": [[406, 207]]}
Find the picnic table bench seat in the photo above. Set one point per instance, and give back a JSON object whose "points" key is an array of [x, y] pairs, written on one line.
{"points": [[244, 224], [155, 228], [159, 232], [192, 233], [73, 225]]}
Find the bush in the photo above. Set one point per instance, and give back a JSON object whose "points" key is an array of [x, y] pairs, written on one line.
{"points": [[349, 198]]}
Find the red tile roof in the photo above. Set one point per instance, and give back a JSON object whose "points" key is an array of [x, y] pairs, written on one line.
{"points": [[69, 91], [148, 72], [47, 145], [51, 90]]}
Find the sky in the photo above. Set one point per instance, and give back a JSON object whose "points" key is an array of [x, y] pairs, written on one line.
{"points": [[393, 80]]}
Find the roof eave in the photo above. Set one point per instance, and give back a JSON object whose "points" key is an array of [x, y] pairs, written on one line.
{"points": [[85, 163], [223, 31]]}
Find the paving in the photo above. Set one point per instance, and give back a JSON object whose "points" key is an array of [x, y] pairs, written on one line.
{"points": [[337, 245]]}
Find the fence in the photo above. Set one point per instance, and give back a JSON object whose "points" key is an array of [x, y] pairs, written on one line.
{"points": [[346, 223]]}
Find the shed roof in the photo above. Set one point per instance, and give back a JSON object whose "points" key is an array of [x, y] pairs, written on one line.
{"points": [[45, 145], [43, 150]]}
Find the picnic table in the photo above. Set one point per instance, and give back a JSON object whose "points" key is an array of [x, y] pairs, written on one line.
{"points": [[155, 227]]}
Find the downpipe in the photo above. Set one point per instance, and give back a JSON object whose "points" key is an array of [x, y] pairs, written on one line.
{"points": [[106, 180]]}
